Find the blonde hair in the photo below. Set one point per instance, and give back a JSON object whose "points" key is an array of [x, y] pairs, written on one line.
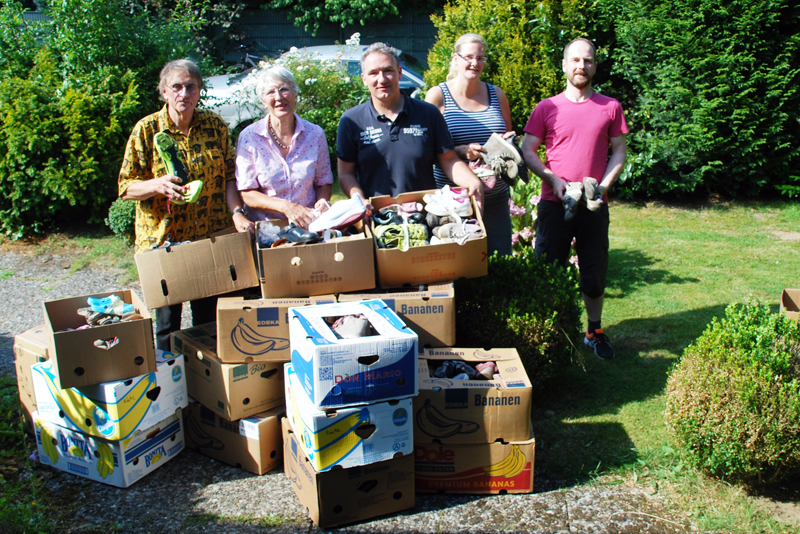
{"points": [[461, 41]]}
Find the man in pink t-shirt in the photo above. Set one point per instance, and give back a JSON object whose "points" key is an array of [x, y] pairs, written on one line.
{"points": [[577, 127]]}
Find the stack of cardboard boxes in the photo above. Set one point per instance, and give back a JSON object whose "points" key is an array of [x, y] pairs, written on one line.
{"points": [[348, 436], [102, 403]]}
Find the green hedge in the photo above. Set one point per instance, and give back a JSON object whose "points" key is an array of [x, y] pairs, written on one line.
{"points": [[733, 401]]}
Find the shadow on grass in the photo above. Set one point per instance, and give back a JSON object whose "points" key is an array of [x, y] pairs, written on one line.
{"points": [[630, 269], [570, 451]]}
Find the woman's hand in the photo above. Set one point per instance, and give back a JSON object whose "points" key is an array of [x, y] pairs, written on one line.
{"points": [[471, 152], [300, 215], [243, 224]]}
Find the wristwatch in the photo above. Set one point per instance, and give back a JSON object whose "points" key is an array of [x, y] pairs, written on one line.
{"points": [[238, 210]]}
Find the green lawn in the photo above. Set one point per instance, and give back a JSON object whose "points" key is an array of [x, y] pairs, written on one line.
{"points": [[671, 270]]}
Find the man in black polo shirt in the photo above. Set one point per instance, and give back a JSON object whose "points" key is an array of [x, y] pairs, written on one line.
{"points": [[389, 144]]}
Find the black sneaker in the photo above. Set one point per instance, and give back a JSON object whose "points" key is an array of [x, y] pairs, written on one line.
{"points": [[599, 342]]}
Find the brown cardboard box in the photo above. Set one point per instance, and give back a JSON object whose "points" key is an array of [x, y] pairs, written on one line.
{"points": [[257, 330], [78, 362], [30, 347], [343, 496], [343, 264], [254, 443], [430, 311], [430, 264], [220, 264], [475, 468], [472, 411], [231, 390], [790, 303]]}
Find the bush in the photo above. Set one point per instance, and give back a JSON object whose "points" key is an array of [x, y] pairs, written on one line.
{"points": [[61, 145], [717, 90], [121, 219], [523, 303], [733, 401]]}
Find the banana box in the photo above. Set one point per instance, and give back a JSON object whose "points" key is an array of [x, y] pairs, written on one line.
{"points": [[475, 468], [117, 463], [113, 410], [78, 356], [334, 372], [257, 330], [231, 390], [477, 410], [342, 496], [253, 443], [347, 437], [430, 311], [30, 347]]}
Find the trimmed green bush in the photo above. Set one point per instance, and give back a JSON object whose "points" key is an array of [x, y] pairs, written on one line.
{"points": [[733, 401], [523, 303], [121, 219]]}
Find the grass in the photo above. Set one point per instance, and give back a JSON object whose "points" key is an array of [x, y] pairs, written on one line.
{"points": [[672, 268]]}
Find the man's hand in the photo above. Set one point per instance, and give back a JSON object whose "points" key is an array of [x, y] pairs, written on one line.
{"points": [[559, 186], [170, 187]]}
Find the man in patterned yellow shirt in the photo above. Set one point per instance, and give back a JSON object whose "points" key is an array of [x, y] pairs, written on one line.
{"points": [[202, 140]]}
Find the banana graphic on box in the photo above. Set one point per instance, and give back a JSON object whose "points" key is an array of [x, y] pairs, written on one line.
{"points": [[510, 466], [105, 460], [48, 444], [81, 410], [248, 341], [196, 433], [434, 423]]}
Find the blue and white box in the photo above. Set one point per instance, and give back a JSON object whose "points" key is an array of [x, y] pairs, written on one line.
{"points": [[349, 436], [336, 372]]}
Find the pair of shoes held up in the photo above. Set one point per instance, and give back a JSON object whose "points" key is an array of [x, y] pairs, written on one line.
{"points": [[587, 192]]}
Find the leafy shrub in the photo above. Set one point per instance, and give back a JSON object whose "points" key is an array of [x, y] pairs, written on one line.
{"points": [[733, 401], [121, 219], [61, 144], [523, 303], [717, 90]]}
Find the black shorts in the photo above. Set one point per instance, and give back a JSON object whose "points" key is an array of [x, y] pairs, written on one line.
{"points": [[590, 230]]}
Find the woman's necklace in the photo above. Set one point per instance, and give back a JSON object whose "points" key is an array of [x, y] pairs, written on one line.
{"points": [[275, 137]]}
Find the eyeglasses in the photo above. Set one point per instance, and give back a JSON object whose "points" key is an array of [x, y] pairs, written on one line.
{"points": [[469, 59], [273, 93], [190, 88]]}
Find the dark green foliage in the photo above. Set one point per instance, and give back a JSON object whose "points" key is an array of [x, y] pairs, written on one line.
{"points": [[523, 303], [121, 219], [733, 401], [312, 13], [717, 95], [61, 144]]}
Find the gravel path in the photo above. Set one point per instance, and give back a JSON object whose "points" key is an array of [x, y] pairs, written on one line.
{"points": [[190, 493]]}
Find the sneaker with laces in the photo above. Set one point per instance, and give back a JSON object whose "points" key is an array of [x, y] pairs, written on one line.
{"points": [[572, 196], [448, 200], [598, 341], [591, 190]]}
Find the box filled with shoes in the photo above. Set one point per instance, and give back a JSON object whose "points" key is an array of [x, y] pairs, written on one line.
{"points": [[428, 237], [345, 261]]}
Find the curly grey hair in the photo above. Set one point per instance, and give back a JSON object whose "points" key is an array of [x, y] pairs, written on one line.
{"points": [[278, 76]]}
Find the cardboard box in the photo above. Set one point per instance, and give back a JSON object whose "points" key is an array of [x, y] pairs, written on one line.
{"points": [[342, 496], [117, 463], [473, 411], [430, 311], [344, 372], [257, 330], [475, 468], [253, 443], [30, 347], [231, 390], [343, 264], [348, 437], [219, 264], [113, 410], [790, 303], [431, 264], [78, 362]]}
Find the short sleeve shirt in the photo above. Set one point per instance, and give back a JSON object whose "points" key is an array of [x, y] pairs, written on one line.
{"points": [[208, 156], [261, 166], [393, 157], [576, 136]]}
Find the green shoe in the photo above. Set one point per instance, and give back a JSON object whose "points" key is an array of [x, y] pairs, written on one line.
{"points": [[171, 157], [193, 193]]}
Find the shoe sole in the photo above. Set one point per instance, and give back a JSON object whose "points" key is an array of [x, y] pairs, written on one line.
{"points": [[168, 150]]}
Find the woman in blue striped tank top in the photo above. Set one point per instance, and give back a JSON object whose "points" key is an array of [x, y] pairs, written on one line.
{"points": [[473, 111]]}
